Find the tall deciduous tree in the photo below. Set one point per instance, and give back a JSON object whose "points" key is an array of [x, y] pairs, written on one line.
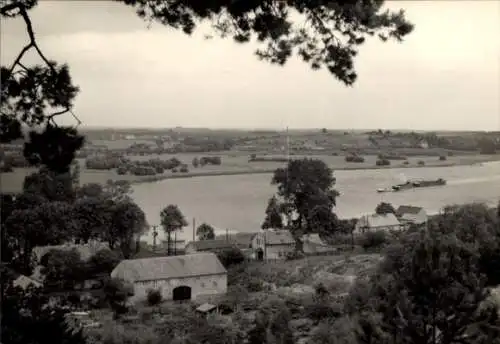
{"points": [[172, 220], [128, 223], [273, 217], [205, 232], [384, 208], [306, 186]]}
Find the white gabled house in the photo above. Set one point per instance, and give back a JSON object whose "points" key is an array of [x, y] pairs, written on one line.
{"points": [[273, 245], [377, 222]]}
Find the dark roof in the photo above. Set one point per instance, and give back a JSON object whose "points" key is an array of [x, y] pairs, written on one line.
{"points": [[150, 269], [408, 209], [206, 245], [242, 239], [279, 237]]}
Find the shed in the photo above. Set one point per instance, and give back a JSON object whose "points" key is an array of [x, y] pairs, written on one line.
{"points": [[206, 308]]}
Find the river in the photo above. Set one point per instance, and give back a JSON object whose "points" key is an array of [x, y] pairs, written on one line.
{"points": [[238, 202]]}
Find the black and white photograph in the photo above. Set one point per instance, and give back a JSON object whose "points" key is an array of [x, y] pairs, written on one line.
{"points": [[250, 172]]}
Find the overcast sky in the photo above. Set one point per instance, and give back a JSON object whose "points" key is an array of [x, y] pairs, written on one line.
{"points": [[446, 75]]}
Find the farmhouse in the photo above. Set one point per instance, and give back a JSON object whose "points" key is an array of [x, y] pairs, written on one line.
{"points": [[270, 245], [408, 214], [176, 277], [209, 246], [377, 222]]}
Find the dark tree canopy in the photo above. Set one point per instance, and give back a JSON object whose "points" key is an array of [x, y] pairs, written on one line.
{"points": [[205, 232], [385, 208], [306, 195], [323, 33], [273, 217]]}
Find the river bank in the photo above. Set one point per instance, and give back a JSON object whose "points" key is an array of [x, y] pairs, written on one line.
{"points": [[12, 182], [238, 202], [354, 167]]}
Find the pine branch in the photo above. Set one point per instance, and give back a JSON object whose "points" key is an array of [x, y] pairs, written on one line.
{"points": [[5, 11]]}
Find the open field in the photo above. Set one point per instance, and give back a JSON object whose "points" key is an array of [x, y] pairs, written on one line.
{"points": [[237, 163]]}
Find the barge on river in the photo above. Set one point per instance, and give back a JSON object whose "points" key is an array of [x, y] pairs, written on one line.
{"points": [[414, 184]]}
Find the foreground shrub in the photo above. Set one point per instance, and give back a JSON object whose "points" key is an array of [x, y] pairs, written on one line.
{"points": [[334, 331], [232, 256], [154, 297], [374, 240], [383, 162]]}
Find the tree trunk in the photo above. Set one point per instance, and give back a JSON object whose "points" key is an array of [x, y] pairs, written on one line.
{"points": [[169, 234]]}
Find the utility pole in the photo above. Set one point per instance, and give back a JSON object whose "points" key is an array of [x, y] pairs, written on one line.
{"points": [[227, 235], [194, 229], [265, 244], [155, 234], [175, 243]]}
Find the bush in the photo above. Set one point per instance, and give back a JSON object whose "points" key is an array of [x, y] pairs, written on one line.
{"points": [[232, 256], [159, 169], [154, 297], [184, 169], [7, 167], [383, 162], [374, 240], [421, 163], [354, 158], [318, 311], [121, 170], [406, 162], [442, 158]]}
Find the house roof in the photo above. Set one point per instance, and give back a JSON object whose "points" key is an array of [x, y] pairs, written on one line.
{"points": [[86, 251], [408, 209], [150, 269], [206, 307], [242, 239], [281, 237], [24, 282], [217, 244], [313, 238], [379, 220]]}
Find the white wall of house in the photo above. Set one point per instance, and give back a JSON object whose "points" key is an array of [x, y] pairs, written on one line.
{"points": [[419, 218], [271, 252], [361, 228], [201, 285], [190, 248]]}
